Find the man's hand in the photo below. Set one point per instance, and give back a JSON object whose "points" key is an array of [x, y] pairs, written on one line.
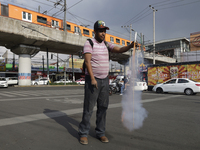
{"points": [[94, 83], [136, 44]]}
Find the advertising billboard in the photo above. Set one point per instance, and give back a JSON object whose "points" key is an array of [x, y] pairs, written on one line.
{"points": [[160, 74]]}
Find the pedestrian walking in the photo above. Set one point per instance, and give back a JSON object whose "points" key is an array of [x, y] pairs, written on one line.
{"points": [[123, 87], [97, 82]]}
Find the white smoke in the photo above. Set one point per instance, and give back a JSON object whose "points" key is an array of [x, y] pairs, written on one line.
{"points": [[133, 113]]}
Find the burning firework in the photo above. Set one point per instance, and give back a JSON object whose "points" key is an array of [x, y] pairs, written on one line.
{"points": [[133, 114]]}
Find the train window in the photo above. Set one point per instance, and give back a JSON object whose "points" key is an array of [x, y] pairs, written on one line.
{"points": [[93, 34], [86, 32], [77, 30], [4, 10], [29, 16], [41, 19], [68, 27], [26, 16], [54, 23], [128, 43], [123, 42], [117, 40], [111, 39]]}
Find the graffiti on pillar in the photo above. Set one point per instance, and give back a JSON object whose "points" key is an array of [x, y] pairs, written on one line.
{"points": [[24, 76]]}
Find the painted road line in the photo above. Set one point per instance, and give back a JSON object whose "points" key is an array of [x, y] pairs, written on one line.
{"points": [[14, 93], [6, 95], [42, 97], [36, 117]]}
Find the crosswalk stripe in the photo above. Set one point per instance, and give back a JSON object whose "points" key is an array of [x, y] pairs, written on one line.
{"points": [[6, 95], [40, 97], [36, 117], [13, 93], [29, 93], [35, 93]]}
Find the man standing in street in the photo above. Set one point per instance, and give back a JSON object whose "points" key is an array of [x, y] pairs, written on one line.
{"points": [[97, 82]]}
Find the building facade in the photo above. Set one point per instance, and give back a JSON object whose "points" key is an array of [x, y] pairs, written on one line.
{"points": [[194, 53], [171, 48], [195, 41]]}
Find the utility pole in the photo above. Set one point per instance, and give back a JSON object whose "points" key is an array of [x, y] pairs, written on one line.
{"points": [[73, 77], [39, 8], [13, 67], [130, 34], [131, 50], [65, 11], [47, 63], [142, 45], [43, 65], [57, 63], [154, 10], [65, 71]]}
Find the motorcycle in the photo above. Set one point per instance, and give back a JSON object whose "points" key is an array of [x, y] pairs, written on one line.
{"points": [[115, 86]]}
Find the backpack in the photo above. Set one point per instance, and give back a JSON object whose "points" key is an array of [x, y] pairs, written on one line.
{"points": [[91, 43]]}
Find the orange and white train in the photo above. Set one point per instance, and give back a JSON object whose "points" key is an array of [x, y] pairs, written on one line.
{"points": [[27, 15]]}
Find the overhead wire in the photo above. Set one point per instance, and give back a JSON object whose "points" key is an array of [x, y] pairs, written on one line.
{"points": [[135, 19], [42, 3], [141, 16], [58, 16], [168, 3], [135, 16], [179, 5], [18, 3]]}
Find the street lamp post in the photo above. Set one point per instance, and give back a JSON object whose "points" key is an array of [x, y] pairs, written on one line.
{"points": [[154, 10], [65, 11], [131, 50]]}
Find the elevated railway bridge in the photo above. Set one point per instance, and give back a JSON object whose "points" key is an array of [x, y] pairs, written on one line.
{"points": [[27, 39]]}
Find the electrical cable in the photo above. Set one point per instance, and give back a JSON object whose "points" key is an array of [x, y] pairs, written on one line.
{"points": [[154, 4], [179, 5], [135, 16], [169, 3]]}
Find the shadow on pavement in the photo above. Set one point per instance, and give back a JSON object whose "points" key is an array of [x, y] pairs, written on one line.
{"points": [[64, 120]]}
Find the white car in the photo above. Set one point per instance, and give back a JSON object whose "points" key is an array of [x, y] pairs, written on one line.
{"points": [[63, 81], [3, 82], [12, 80], [178, 85], [41, 81], [140, 86], [80, 81]]}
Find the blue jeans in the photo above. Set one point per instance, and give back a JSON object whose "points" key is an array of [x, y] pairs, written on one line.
{"points": [[122, 89], [93, 96]]}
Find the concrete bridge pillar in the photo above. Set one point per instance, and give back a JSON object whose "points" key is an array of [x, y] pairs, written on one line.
{"points": [[24, 71]]}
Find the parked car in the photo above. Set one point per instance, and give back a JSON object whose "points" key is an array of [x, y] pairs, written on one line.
{"points": [[3, 82], [63, 81], [178, 85], [140, 86], [41, 81], [80, 81], [12, 80]]}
